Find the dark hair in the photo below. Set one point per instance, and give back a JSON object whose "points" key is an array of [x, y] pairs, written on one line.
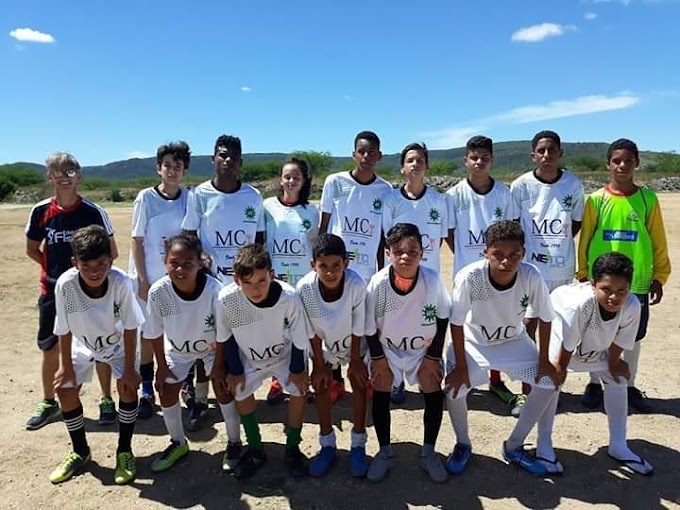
{"points": [[420, 147], [612, 264], [192, 243], [623, 143], [179, 151], [546, 134], [306, 189], [401, 231], [369, 136], [504, 230], [329, 244], [90, 243], [232, 143], [479, 142], [250, 258]]}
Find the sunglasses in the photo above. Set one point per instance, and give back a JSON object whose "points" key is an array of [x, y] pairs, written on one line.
{"points": [[70, 172]]}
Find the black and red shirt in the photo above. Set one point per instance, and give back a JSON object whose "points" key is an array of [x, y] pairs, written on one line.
{"points": [[55, 225]]}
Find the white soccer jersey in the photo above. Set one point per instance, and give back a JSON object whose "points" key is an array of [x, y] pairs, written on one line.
{"points": [[470, 214], [335, 322], [156, 218], [225, 222], [491, 316], [545, 212], [188, 327], [356, 216], [428, 213], [580, 328], [98, 323], [264, 335], [406, 323], [290, 234]]}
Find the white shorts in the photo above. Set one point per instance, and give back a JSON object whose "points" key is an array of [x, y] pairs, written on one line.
{"points": [[83, 360], [256, 376], [517, 358], [596, 362], [337, 359], [552, 285], [180, 366], [404, 369]]}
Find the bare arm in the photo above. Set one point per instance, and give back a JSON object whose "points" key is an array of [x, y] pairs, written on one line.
{"points": [[114, 248], [137, 250], [33, 250], [449, 241], [325, 219]]}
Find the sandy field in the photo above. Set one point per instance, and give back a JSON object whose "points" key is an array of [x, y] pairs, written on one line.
{"points": [[580, 438]]}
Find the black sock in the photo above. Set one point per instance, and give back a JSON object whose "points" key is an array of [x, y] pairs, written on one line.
{"points": [[51, 401], [75, 425], [189, 379], [337, 374], [127, 416], [381, 416], [146, 371], [432, 417]]}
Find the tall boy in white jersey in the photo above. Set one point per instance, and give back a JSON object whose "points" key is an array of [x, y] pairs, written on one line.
{"points": [[419, 204], [97, 320], [334, 299], [263, 331], [473, 205], [490, 298], [226, 214], [157, 215], [351, 208], [406, 309]]}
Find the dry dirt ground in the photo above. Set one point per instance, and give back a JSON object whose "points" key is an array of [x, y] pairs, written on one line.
{"points": [[580, 436]]}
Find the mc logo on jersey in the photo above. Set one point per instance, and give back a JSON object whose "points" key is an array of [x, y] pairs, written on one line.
{"points": [[189, 346], [273, 351], [548, 227], [412, 343], [341, 345], [361, 226], [429, 314], [100, 343], [232, 238], [288, 247], [476, 238], [500, 333]]}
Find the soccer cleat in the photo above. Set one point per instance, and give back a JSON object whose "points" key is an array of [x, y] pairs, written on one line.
{"points": [[518, 404], [433, 466], [231, 457], [44, 413], [107, 411], [70, 466], [145, 409], [638, 400], [525, 460], [337, 390], [459, 458], [502, 392], [275, 394], [323, 461], [126, 470], [249, 463], [592, 396], [380, 466], [358, 462], [398, 394], [197, 415], [170, 456], [297, 462]]}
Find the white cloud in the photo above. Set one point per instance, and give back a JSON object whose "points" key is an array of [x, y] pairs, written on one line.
{"points": [[590, 16], [246, 88], [540, 32], [137, 155], [452, 137], [30, 35], [624, 2], [347, 98]]}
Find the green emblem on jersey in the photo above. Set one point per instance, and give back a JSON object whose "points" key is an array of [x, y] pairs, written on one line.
{"points": [[209, 322], [306, 224], [434, 214], [429, 313], [633, 216], [498, 213], [250, 213], [116, 309], [566, 202], [377, 205], [524, 302]]}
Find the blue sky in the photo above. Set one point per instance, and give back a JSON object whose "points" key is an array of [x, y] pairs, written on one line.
{"points": [[107, 81]]}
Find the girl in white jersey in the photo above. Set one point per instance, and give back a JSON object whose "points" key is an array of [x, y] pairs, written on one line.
{"points": [[181, 329], [419, 204], [157, 214]]}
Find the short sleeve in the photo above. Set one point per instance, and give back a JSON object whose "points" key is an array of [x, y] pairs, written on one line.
{"points": [[153, 327], [625, 336], [371, 326], [516, 195], [191, 220], [540, 296], [326, 205], [450, 216], [358, 309], [223, 331], [139, 218], [260, 219], [578, 201], [34, 231], [443, 301], [388, 213], [568, 328], [131, 314], [460, 300], [299, 328]]}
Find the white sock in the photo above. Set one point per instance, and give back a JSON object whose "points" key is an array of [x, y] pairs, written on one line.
{"points": [[616, 407], [537, 402], [544, 445], [458, 412], [359, 439], [328, 440], [231, 421], [632, 357], [172, 416], [202, 392]]}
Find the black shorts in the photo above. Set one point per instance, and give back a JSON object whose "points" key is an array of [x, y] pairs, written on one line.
{"points": [[644, 316], [48, 312]]}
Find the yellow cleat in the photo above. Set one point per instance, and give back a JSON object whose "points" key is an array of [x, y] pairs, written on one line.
{"points": [[125, 468], [70, 466]]}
